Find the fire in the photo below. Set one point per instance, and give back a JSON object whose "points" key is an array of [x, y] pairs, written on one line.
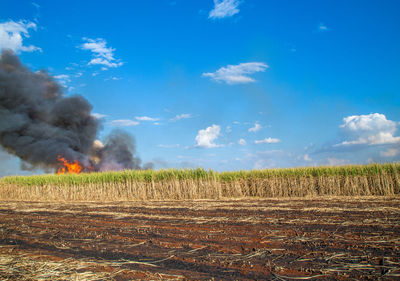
{"points": [[72, 168]]}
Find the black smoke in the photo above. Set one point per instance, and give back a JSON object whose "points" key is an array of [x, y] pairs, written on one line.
{"points": [[118, 153], [38, 123]]}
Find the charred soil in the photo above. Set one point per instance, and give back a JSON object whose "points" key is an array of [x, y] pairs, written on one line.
{"points": [[326, 238]]}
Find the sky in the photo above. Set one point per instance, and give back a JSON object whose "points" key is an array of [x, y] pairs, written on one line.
{"points": [[224, 84]]}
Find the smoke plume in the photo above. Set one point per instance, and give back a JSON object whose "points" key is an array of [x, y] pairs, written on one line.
{"points": [[38, 123], [118, 153]]}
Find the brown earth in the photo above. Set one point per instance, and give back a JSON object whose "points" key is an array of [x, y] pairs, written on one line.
{"points": [[247, 239]]}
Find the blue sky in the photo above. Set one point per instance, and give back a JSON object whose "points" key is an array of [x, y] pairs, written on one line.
{"points": [[225, 85]]}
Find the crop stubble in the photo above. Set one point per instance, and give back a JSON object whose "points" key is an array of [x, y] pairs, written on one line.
{"points": [[351, 180], [327, 238]]}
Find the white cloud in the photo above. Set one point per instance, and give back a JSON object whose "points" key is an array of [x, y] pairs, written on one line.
{"points": [[181, 116], [322, 27], [256, 128], [371, 129], [99, 115], [267, 140], [103, 61], [242, 142], [114, 78], [63, 79], [124, 123], [169, 145], [205, 138], [307, 157], [102, 55], [13, 33], [237, 74], [224, 8], [146, 118], [391, 152]]}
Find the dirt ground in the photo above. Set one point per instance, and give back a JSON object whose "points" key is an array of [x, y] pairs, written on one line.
{"points": [[247, 239]]}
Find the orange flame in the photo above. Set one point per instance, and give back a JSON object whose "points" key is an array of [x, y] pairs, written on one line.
{"points": [[72, 168]]}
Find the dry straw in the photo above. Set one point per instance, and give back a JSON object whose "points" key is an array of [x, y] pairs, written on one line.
{"points": [[354, 180]]}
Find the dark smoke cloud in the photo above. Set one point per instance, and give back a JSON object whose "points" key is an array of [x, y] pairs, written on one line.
{"points": [[118, 153], [38, 123]]}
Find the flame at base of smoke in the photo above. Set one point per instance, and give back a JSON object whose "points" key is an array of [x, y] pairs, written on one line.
{"points": [[72, 168]]}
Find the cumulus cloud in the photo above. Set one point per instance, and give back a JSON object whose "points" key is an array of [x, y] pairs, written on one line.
{"points": [[102, 55], [242, 142], [371, 129], [267, 140], [146, 118], [124, 123], [181, 116], [205, 138], [256, 128], [224, 8], [13, 33], [237, 74]]}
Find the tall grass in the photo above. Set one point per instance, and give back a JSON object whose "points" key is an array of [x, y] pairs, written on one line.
{"points": [[354, 180]]}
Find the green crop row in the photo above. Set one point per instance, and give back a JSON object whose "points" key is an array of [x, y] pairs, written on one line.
{"points": [[156, 176]]}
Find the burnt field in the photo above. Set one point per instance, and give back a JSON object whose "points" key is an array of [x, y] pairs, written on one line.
{"points": [[320, 238]]}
